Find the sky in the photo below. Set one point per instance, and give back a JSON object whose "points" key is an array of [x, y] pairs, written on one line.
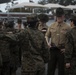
{"points": [[3, 6]]}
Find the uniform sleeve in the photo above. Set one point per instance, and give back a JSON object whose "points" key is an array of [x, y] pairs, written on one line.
{"points": [[45, 51], [9, 37], [68, 47], [23, 39], [48, 33]]}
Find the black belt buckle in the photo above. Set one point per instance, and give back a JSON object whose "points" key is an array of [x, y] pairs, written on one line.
{"points": [[54, 48]]}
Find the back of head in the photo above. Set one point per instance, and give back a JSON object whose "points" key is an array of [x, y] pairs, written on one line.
{"points": [[43, 18], [19, 21], [0, 22], [73, 18], [25, 24], [32, 20], [59, 12], [10, 24]]}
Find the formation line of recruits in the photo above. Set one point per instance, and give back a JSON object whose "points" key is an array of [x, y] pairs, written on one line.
{"points": [[39, 45], [32, 45]]}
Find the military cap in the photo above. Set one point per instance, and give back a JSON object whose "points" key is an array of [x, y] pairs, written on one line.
{"points": [[32, 18], [59, 12]]}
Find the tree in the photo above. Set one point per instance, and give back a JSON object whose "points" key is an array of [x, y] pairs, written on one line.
{"points": [[62, 2], [42, 2], [31, 1]]}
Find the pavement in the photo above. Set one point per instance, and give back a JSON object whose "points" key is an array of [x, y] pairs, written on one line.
{"points": [[18, 72]]}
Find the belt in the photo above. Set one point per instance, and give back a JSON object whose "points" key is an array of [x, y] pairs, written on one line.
{"points": [[60, 46]]}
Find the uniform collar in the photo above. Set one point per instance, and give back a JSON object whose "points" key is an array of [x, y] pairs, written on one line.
{"points": [[59, 24]]}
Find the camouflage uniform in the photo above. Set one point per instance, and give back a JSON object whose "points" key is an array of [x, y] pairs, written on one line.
{"points": [[34, 52], [70, 52], [4, 48], [0, 58], [0, 62], [8, 51], [14, 51]]}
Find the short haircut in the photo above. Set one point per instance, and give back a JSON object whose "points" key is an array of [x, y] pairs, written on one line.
{"points": [[73, 19]]}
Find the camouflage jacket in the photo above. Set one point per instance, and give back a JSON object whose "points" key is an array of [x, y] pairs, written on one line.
{"points": [[6, 39], [14, 47], [0, 59], [4, 49], [70, 45], [33, 45]]}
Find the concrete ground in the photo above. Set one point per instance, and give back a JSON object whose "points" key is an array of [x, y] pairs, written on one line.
{"points": [[19, 72]]}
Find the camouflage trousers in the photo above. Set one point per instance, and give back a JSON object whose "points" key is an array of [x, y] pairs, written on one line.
{"points": [[73, 68], [32, 68], [0, 63], [0, 71]]}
